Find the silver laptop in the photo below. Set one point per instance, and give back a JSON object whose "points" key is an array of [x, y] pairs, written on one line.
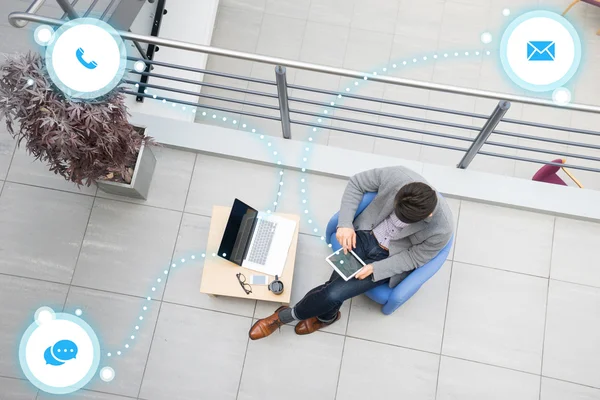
{"points": [[256, 240]]}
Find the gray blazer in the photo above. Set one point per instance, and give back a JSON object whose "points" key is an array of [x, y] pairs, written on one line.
{"points": [[419, 243]]}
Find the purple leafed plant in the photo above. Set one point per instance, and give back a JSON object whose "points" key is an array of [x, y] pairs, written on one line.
{"points": [[83, 141]]}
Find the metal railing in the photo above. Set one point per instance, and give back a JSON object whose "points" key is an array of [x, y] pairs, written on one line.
{"points": [[289, 115]]}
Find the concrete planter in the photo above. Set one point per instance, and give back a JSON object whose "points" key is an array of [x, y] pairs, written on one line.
{"points": [[142, 177]]}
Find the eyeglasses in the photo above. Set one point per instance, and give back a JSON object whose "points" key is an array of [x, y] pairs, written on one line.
{"points": [[242, 280]]}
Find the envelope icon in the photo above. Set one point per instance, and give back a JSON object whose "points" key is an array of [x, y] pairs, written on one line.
{"points": [[541, 51]]}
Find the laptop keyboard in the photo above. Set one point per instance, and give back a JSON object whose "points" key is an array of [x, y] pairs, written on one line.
{"points": [[263, 237]]}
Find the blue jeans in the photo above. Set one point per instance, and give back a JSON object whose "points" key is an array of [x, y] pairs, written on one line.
{"points": [[325, 300]]}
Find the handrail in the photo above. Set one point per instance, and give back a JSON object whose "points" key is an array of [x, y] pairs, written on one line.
{"points": [[17, 18], [32, 9]]}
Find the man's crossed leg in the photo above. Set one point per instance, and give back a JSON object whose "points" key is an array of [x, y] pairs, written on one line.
{"points": [[320, 306]]}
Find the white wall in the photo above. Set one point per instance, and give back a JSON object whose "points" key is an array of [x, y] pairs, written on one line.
{"points": [[186, 20]]}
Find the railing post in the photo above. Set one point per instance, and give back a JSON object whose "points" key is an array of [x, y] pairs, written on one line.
{"points": [[68, 8], [484, 134], [284, 106]]}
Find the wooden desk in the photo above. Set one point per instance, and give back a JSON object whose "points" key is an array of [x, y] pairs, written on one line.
{"points": [[218, 276]]}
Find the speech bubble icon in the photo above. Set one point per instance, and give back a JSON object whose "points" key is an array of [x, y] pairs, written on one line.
{"points": [[64, 350], [50, 359]]}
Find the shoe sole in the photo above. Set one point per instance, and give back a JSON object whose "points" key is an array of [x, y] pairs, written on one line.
{"points": [[254, 324]]}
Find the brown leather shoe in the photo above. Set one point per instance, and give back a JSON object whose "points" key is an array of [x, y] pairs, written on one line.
{"points": [[313, 324], [264, 327]]}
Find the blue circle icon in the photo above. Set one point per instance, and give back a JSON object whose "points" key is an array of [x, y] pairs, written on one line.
{"points": [[86, 58], [59, 353], [540, 51]]}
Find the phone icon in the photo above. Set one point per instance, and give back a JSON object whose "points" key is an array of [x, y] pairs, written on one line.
{"points": [[89, 65]]}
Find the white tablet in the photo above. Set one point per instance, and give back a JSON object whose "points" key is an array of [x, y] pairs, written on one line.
{"points": [[347, 265]]}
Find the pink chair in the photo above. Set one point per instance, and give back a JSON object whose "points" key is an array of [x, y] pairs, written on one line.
{"points": [[548, 174], [592, 2]]}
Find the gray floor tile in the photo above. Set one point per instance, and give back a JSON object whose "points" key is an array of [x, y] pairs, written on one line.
{"points": [[20, 298], [87, 395], [311, 270], [397, 148], [574, 245], [496, 165], [375, 15], [367, 49], [462, 72], [306, 134], [559, 390], [350, 141], [25, 169], [183, 285], [323, 196], [17, 389], [421, 19], [126, 248], [325, 52], [432, 154], [314, 80], [15, 40], [291, 366], [588, 179], [332, 12], [41, 231], [218, 181], [247, 5], [266, 127], [571, 345], [408, 49], [417, 324], [485, 324], [114, 318], [524, 237], [466, 380], [281, 36], [7, 148], [454, 205], [237, 27], [170, 182], [436, 155], [456, 30], [372, 370], [354, 141], [491, 78], [288, 8], [195, 354], [224, 65]]}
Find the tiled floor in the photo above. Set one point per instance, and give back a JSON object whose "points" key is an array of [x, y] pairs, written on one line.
{"points": [[513, 314], [371, 35]]}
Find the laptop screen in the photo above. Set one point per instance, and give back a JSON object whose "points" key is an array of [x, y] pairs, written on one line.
{"points": [[238, 232]]}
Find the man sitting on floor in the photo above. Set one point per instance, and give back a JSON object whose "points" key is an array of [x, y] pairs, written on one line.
{"points": [[404, 227]]}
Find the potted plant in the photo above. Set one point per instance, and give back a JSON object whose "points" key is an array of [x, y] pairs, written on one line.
{"points": [[83, 141]]}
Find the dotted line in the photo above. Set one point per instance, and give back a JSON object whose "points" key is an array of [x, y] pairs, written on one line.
{"points": [[146, 304], [355, 85], [207, 114]]}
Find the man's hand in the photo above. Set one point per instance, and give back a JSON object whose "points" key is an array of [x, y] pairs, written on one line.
{"points": [[347, 238], [364, 272]]}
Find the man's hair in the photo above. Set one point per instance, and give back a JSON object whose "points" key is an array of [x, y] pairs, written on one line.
{"points": [[414, 202]]}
